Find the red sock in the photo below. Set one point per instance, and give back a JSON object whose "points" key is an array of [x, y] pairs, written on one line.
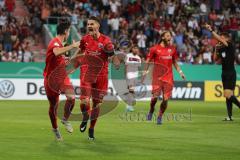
{"points": [[85, 108], [53, 111], [94, 114], [152, 104], [69, 104], [163, 108]]}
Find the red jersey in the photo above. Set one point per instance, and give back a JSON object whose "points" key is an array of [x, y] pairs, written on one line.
{"points": [[95, 50], [52, 61], [162, 57]]}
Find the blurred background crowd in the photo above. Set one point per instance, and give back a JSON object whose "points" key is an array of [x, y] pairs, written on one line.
{"points": [[141, 21]]}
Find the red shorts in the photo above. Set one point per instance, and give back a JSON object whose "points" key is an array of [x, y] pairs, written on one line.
{"points": [[161, 87], [96, 90], [55, 88]]}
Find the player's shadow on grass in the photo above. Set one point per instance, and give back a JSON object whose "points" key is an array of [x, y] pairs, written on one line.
{"points": [[82, 147]]}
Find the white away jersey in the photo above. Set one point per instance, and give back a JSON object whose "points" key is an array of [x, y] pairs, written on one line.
{"points": [[132, 62]]}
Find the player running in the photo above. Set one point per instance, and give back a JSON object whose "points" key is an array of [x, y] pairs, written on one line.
{"points": [[163, 56], [226, 54], [132, 64], [54, 85], [97, 48]]}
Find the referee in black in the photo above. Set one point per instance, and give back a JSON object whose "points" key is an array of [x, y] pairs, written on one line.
{"points": [[226, 52]]}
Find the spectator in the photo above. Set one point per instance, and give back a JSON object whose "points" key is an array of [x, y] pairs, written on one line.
{"points": [[10, 5], [171, 8], [141, 38], [192, 23], [7, 41], [207, 56], [1, 52], [27, 54], [114, 4], [114, 22], [37, 27], [7, 57], [3, 19], [45, 13], [185, 20]]}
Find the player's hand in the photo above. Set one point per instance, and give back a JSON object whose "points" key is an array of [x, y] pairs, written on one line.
{"points": [[75, 44], [144, 74], [208, 27], [183, 76]]}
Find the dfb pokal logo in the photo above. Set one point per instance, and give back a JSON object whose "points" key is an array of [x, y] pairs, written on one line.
{"points": [[7, 89]]}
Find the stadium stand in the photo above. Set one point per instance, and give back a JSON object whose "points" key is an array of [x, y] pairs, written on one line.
{"points": [[141, 21]]}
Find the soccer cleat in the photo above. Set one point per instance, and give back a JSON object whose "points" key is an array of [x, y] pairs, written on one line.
{"points": [[57, 134], [159, 120], [91, 134], [149, 116], [67, 125], [83, 126], [129, 108], [228, 119]]}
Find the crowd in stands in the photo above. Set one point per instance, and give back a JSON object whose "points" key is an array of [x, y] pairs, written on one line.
{"points": [[14, 46], [142, 22]]}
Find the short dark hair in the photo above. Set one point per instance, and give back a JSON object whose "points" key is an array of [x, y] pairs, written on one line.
{"points": [[95, 19], [62, 27]]}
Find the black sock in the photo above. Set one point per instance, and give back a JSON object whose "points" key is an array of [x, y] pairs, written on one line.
{"points": [[235, 101], [229, 107]]}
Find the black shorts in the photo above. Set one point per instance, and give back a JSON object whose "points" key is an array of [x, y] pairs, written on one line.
{"points": [[229, 80]]}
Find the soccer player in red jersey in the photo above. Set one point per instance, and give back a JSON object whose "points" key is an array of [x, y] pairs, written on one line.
{"points": [[54, 85], [163, 56], [96, 48]]}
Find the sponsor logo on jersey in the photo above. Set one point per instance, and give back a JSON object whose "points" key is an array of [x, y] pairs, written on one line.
{"points": [[166, 57]]}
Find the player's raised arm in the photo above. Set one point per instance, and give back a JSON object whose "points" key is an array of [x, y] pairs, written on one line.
{"points": [[216, 56], [63, 50], [216, 36]]}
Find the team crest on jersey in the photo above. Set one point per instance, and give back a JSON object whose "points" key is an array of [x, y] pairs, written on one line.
{"points": [[100, 45], [169, 50], [223, 54]]}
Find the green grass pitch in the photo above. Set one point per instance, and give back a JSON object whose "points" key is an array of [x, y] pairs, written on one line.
{"points": [[25, 134]]}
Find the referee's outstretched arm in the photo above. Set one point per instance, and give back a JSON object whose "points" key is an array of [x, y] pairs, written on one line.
{"points": [[215, 35]]}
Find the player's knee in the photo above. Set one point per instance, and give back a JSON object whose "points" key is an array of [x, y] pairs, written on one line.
{"points": [[165, 102], [97, 101], [71, 98], [228, 94], [85, 101]]}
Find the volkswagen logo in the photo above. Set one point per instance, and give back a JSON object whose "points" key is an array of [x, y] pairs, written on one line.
{"points": [[7, 89]]}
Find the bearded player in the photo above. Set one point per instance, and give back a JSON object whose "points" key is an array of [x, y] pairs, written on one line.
{"points": [[54, 85], [97, 49], [163, 56]]}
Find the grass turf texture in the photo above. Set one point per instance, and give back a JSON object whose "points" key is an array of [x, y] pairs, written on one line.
{"points": [[25, 133]]}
